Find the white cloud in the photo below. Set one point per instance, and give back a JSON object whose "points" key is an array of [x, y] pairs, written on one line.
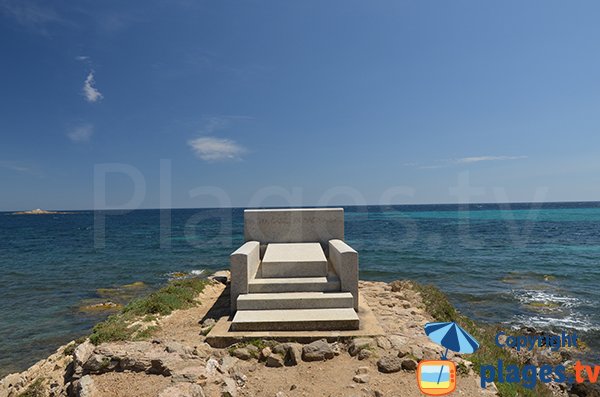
{"points": [[444, 163], [82, 58], [90, 92], [83, 133], [216, 149], [477, 159]]}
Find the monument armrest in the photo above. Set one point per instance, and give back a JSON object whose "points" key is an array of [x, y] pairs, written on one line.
{"points": [[344, 260], [244, 264]]}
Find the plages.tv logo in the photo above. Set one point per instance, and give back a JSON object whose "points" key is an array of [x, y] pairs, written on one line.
{"points": [[438, 377]]}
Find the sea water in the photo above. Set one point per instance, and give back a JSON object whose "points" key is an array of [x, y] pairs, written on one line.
{"points": [[525, 264]]}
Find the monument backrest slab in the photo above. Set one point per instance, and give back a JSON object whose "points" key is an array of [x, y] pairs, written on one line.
{"points": [[294, 225]]}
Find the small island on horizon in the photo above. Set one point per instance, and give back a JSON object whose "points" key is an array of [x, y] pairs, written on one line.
{"points": [[39, 211]]}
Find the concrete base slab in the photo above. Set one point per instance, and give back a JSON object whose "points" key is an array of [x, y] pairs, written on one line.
{"points": [[296, 320], [221, 335]]}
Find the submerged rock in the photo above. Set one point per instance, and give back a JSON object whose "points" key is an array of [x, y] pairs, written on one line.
{"points": [[102, 306]]}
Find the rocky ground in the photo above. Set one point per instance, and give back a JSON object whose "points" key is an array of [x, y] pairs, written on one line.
{"points": [[176, 361]]}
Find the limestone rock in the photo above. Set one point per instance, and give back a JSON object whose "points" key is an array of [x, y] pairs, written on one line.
{"points": [[178, 348], [183, 390], [389, 364], [417, 352], [409, 364], [239, 378], [264, 353], [317, 351], [294, 354], [280, 348], [242, 353], [85, 387], [13, 380], [383, 342], [361, 378], [221, 276], [274, 360], [359, 344], [83, 352], [336, 348], [229, 388], [397, 341], [364, 354], [194, 374], [252, 349], [228, 363]]}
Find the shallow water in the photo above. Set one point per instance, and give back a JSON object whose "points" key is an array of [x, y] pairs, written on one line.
{"points": [[520, 264]]}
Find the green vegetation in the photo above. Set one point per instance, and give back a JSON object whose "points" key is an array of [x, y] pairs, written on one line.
{"points": [[258, 343], [36, 389], [441, 309], [126, 325]]}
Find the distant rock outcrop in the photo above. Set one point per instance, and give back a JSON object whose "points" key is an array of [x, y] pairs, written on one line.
{"points": [[38, 211]]}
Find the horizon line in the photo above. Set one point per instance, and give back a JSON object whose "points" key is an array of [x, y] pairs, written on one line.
{"points": [[312, 206]]}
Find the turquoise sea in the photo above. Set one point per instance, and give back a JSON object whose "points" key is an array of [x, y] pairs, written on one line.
{"points": [[521, 264]]}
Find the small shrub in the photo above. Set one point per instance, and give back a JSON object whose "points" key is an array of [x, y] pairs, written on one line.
{"points": [[146, 333], [36, 389], [115, 328], [178, 294]]}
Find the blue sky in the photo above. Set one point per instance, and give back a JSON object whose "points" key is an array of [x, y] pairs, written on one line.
{"points": [[297, 103]]}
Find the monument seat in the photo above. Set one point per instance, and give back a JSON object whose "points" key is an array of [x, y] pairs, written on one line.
{"points": [[294, 272], [294, 260]]}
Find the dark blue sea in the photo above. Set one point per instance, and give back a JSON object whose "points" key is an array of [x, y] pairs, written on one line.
{"points": [[519, 264]]}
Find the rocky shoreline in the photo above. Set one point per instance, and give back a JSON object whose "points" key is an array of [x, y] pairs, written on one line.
{"points": [[168, 356]]}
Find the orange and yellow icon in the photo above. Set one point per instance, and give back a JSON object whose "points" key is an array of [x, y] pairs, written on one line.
{"points": [[436, 377]]}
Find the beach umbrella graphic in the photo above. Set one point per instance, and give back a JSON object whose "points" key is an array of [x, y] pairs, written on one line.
{"points": [[451, 336]]}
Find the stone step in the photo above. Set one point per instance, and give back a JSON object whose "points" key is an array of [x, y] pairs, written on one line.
{"points": [[330, 283], [278, 269], [295, 300], [295, 320]]}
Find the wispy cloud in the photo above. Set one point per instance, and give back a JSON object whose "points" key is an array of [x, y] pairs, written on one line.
{"points": [[82, 133], [477, 159], [212, 124], [14, 166], [20, 167], [216, 149], [82, 58], [29, 14], [90, 92], [444, 163]]}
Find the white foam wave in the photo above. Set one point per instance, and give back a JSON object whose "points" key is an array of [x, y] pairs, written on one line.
{"points": [[578, 322], [555, 310], [533, 296]]}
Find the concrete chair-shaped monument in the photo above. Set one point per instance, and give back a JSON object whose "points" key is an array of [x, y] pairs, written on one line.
{"points": [[294, 272]]}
